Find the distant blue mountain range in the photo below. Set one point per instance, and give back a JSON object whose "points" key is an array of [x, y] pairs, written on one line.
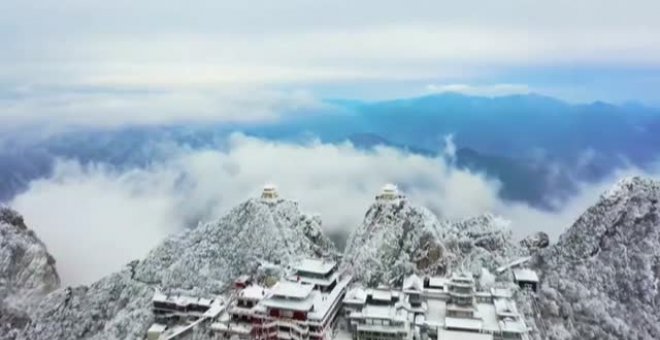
{"points": [[537, 146]]}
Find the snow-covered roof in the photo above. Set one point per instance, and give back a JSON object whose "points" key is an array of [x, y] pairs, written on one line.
{"points": [[293, 290], [356, 295], [157, 328], [389, 187], [159, 297], [379, 312], [181, 300], [463, 323], [323, 302], [253, 292], [436, 281], [381, 295], [486, 312], [320, 281], [316, 266], [390, 192], [501, 292], [513, 326], [413, 282], [391, 313], [454, 335], [233, 327], [435, 314], [281, 303], [505, 307], [302, 297], [462, 277], [187, 300], [525, 274], [216, 308]]}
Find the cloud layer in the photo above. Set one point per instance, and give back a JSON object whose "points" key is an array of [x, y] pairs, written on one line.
{"points": [[95, 219], [127, 62]]}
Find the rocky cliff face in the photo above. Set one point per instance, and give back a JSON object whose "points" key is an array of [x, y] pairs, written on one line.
{"points": [[395, 239], [601, 280], [253, 236], [27, 272]]}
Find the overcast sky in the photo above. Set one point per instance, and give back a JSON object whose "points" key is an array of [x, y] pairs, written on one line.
{"points": [[146, 61]]}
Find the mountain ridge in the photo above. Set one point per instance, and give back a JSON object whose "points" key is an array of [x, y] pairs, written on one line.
{"points": [[600, 280]]}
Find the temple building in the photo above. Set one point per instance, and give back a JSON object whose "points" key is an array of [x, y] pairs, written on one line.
{"points": [[389, 194], [176, 316], [308, 302], [167, 307], [321, 273], [523, 276], [269, 193], [526, 278], [380, 314], [303, 306], [447, 308]]}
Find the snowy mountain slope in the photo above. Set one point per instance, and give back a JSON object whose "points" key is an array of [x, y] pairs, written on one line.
{"points": [[395, 239], [199, 261], [115, 307], [27, 272], [254, 232], [601, 280], [484, 241]]}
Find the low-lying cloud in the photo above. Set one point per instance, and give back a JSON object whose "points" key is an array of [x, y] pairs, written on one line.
{"points": [[95, 218], [94, 106]]}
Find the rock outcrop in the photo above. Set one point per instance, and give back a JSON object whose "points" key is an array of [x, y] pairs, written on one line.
{"points": [[535, 242]]}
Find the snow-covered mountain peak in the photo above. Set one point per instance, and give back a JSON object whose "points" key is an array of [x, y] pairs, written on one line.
{"points": [[257, 232], [396, 238], [601, 279], [629, 186], [617, 217]]}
